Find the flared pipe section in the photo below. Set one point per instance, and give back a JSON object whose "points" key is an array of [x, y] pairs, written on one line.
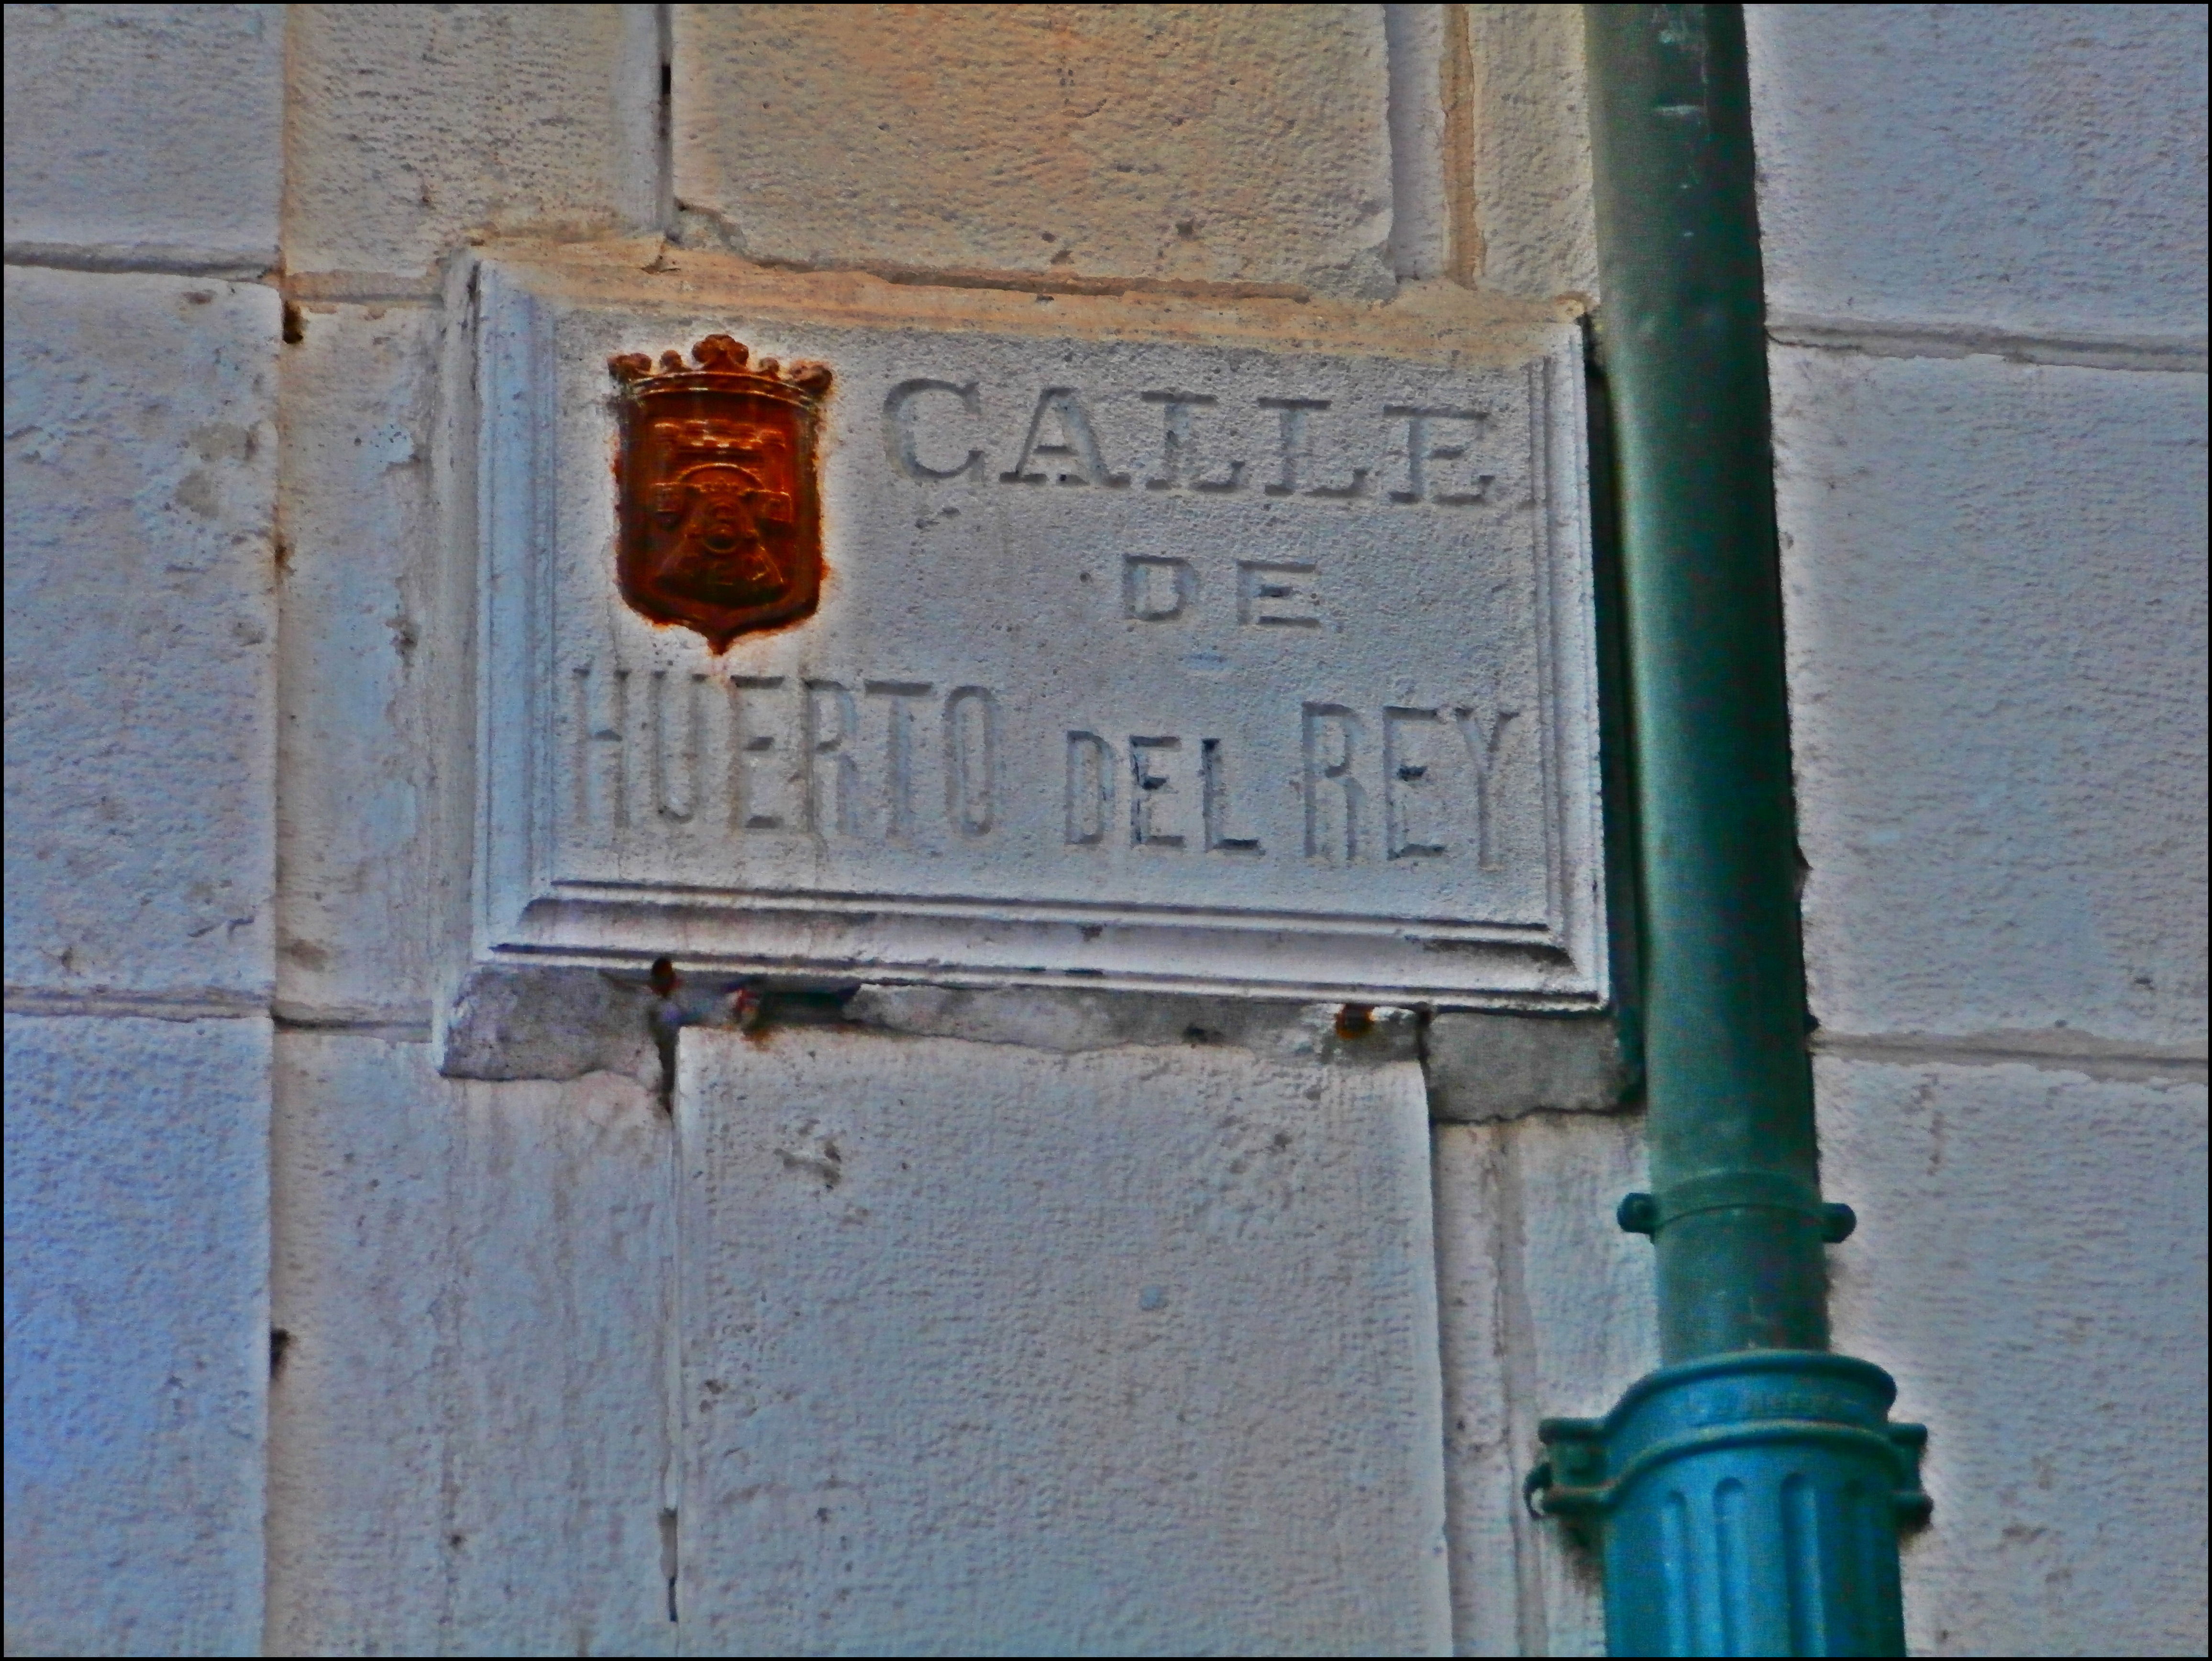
{"points": [[1745, 1498], [1746, 1504]]}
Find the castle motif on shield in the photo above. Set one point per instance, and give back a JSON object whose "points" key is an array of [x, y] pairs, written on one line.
{"points": [[720, 520]]}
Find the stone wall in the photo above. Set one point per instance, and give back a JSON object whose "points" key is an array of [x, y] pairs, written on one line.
{"points": [[1984, 232]]}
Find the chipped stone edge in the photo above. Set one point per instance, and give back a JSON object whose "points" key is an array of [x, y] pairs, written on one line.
{"points": [[560, 1022], [1485, 1067]]}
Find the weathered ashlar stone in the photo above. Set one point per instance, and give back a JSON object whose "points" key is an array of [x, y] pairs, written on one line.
{"points": [[1163, 645], [1227, 144], [137, 1293], [409, 128], [145, 137], [141, 615], [468, 1428], [992, 1351]]}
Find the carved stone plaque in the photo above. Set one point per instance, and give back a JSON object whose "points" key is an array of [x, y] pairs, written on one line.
{"points": [[1128, 642]]}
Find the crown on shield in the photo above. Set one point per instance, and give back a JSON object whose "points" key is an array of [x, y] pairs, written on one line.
{"points": [[722, 364]]}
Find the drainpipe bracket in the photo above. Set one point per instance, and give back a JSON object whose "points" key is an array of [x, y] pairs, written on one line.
{"points": [[1734, 1190]]}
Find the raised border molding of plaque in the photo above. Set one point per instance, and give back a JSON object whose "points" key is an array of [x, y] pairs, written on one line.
{"points": [[1171, 644]]}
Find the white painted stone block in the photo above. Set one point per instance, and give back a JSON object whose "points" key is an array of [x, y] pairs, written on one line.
{"points": [[140, 467], [1995, 589], [1483, 1067], [1528, 105], [359, 748], [989, 1350], [146, 133], [2035, 167], [468, 1421], [412, 127], [1427, 218], [1227, 144], [1546, 1308], [138, 1353], [2030, 1264], [1163, 645]]}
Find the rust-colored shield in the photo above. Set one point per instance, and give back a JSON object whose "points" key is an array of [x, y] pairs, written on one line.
{"points": [[720, 520]]}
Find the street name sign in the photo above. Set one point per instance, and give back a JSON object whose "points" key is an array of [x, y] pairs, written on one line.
{"points": [[832, 626]]}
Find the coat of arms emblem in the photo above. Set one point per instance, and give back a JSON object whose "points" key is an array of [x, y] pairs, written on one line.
{"points": [[721, 522]]}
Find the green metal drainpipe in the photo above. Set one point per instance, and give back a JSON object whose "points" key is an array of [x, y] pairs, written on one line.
{"points": [[1746, 1497]]}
